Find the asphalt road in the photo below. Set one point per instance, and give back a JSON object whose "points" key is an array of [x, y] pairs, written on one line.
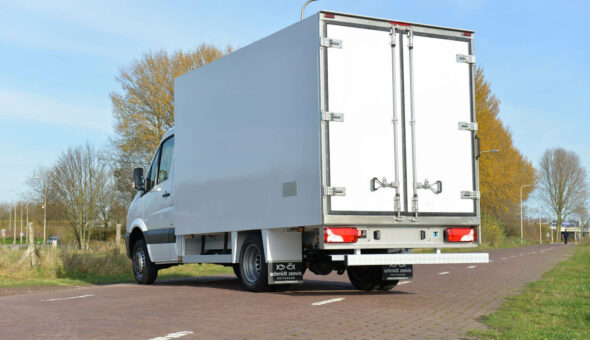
{"points": [[443, 301]]}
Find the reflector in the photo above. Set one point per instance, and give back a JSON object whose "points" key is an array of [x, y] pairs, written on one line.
{"points": [[341, 235], [460, 235]]}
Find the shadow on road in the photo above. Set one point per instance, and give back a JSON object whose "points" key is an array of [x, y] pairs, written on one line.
{"points": [[308, 288]]}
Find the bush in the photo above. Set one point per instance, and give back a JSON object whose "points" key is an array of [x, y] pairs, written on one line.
{"points": [[492, 230]]}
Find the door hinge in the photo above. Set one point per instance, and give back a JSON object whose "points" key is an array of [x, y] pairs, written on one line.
{"points": [[332, 116], [334, 191], [468, 126], [328, 42], [470, 195], [469, 59]]}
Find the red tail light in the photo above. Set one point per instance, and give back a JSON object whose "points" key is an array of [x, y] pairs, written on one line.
{"points": [[461, 235], [329, 15], [341, 235]]}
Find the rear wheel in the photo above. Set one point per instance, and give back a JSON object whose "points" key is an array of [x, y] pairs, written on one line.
{"points": [[253, 267], [144, 270], [365, 277], [388, 285]]}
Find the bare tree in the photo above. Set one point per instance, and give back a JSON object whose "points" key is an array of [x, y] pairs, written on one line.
{"points": [[562, 182], [79, 179]]}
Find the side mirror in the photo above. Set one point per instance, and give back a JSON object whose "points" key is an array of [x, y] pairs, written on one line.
{"points": [[138, 181]]}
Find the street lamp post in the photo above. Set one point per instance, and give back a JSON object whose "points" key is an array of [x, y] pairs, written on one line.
{"points": [[521, 230]]}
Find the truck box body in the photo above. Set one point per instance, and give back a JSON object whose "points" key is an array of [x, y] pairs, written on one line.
{"points": [[291, 130]]}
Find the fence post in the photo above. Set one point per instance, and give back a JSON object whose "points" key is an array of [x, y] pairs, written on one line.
{"points": [[118, 238], [32, 244]]}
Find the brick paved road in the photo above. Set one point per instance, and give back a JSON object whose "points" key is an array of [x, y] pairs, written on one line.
{"points": [[443, 301]]}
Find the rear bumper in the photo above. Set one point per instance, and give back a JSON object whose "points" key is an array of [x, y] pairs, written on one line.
{"points": [[389, 259]]}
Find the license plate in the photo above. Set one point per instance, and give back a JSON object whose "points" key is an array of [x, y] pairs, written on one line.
{"points": [[397, 272]]}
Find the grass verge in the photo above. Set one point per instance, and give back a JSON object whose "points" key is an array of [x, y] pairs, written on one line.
{"points": [[555, 307], [66, 267]]}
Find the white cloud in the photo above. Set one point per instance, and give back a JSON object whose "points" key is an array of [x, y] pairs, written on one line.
{"points": [[40, 108]]}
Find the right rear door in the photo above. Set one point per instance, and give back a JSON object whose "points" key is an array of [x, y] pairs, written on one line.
{"points": [[364, 80]]}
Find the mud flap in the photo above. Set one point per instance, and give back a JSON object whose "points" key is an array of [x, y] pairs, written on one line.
{"points": [[397, 272], [285, 273]]}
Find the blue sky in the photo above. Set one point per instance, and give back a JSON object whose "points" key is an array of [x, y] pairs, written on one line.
{"points": [[59, 60]]}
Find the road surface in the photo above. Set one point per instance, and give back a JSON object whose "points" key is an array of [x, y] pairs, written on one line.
{"points": [[443, 301]]}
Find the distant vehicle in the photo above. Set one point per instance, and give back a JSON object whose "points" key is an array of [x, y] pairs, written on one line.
{"points": [[336, 144], [53, 238]]}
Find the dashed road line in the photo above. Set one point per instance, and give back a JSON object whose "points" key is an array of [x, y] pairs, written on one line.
{"points": [[443, 273], [471, 267], [503, 258], [69, 298], [173, 335], [319, 303], [404, 282]]}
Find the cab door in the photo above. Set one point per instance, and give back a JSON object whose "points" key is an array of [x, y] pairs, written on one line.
{"points": [[158, 204]]}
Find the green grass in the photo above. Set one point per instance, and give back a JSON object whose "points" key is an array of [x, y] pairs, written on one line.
{"points": [[67, 267], [555, 307]]}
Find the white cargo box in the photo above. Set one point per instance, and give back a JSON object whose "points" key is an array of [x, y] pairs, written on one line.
{"points": [[291, 130]]}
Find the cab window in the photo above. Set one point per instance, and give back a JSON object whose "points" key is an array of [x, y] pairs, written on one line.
{"points": [[151, 176], [166, 159]]}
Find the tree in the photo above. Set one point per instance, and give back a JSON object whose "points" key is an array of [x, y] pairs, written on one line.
{"points": [[562, 182], [501, 174], [79, 179], [145, 109]]}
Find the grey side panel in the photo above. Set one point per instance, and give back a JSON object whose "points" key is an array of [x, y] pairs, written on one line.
{"points": [[159, 236], [246, 125]]}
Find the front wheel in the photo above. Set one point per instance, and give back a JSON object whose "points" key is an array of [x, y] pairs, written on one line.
{"points": [[253, 267], [144, 270]]}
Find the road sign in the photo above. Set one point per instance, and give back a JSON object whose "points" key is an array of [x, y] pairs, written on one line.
{"points": [[22, 234], [547, 235], [3, 232]]}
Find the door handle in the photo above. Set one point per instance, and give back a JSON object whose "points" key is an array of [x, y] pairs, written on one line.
{"points": [[166, 194]]}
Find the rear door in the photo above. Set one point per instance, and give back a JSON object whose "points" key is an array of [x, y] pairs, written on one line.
{"points": [[361, 146], [442, 100], [367, 75]]}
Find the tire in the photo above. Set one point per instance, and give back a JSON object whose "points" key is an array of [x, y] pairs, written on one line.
{"points": [[388, 285], [236, 268], [253, 267], [144, 270], [365, 277]]}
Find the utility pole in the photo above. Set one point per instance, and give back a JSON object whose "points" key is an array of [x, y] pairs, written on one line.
{"points": [[21, 224], [540, 233], [44, 208], [27, 224], [14, 239], [521, 230]]}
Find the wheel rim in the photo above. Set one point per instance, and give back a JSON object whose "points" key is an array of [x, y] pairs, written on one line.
{"points": [[139, 263], [252, 264]]}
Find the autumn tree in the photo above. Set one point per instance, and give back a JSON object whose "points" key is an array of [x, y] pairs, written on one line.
{"points": [[145, 108], [501, 174], [562, 183]]}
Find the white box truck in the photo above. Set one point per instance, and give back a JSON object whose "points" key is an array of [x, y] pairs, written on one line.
{"points": [[336, 144]]}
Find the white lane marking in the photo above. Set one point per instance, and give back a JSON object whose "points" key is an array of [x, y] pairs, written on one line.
{"points": [[173, 335], [443, 273], [521, 254], [319, 303], [404, 282], [503, 258], [471, 267], [512, 256], [69, 298]]}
